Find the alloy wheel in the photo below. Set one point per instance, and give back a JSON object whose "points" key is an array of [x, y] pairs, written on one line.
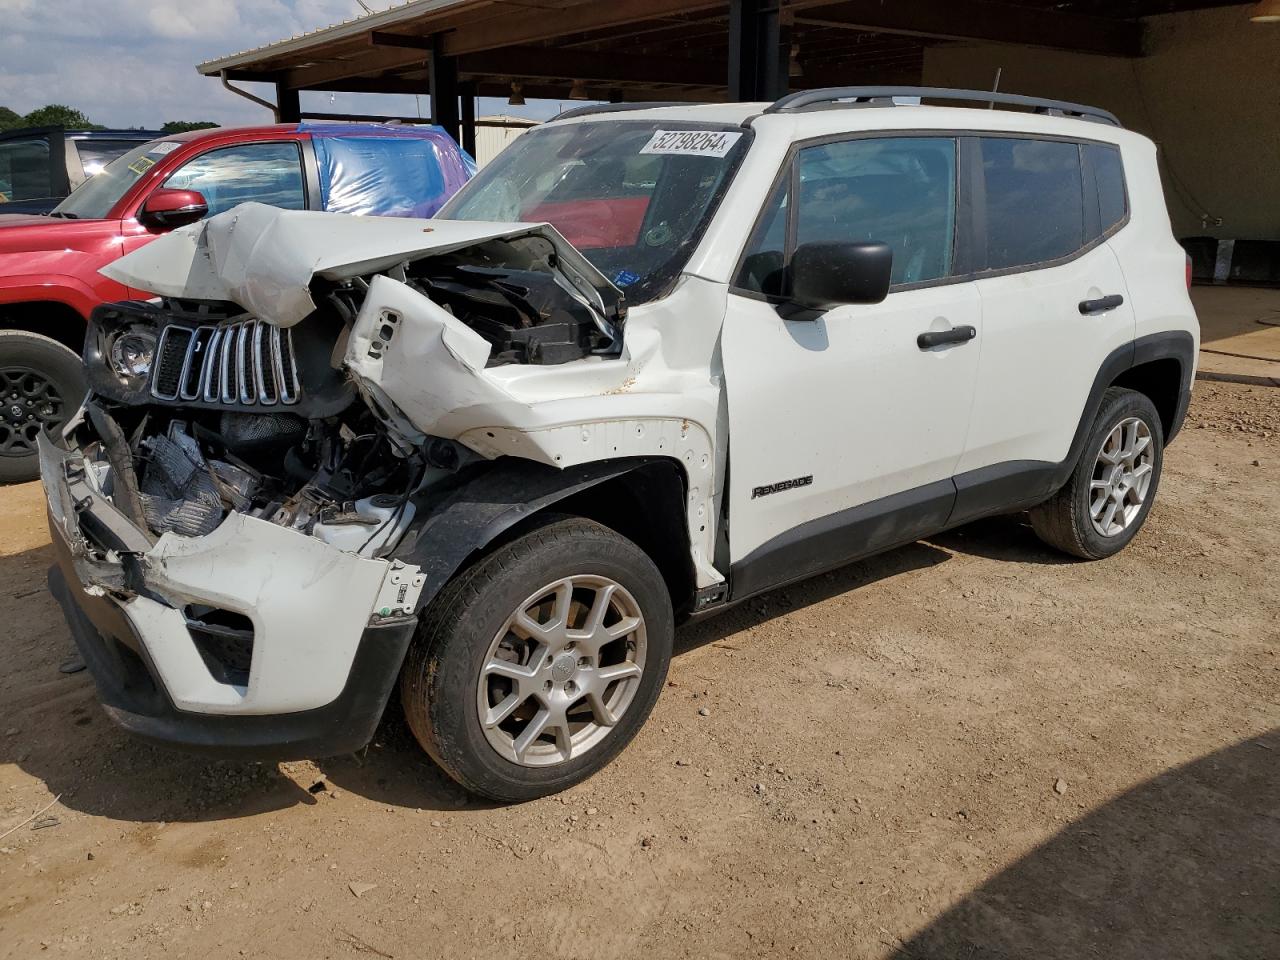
{"points": [[1122, 476], [562, 671]]}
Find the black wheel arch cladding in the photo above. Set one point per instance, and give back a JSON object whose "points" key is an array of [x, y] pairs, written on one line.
{"points": [[491, 500]]}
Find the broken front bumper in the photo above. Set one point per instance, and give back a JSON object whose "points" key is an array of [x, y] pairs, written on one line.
{"points": [[329, 628]]}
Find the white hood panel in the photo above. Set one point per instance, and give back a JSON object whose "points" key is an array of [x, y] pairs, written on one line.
{"points": [[263, 258]]}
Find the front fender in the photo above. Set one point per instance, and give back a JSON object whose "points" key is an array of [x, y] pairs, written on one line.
{"points": [[52, 288], [480, 510]]}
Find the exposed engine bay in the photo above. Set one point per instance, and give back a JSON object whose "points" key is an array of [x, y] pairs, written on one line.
{"points": [[200, 408]]}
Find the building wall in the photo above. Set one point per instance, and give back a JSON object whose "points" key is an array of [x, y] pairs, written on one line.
{"points": [[491, 141], [1208, 93]]}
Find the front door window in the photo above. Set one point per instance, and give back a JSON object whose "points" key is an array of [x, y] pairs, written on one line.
{"points": [[269, 173]]}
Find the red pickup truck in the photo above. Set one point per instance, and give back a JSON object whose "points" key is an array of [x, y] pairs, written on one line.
{"points": [[49, 279]]}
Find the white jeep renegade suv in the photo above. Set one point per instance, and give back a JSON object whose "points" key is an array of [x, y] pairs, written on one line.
{"points": [[652, 361]]}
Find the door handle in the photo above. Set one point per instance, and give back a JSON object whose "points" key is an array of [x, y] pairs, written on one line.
{"points": [[1101, 305], [936, 338]]}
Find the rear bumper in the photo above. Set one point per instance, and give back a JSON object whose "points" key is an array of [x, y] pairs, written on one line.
{"points": [[327, 641]]}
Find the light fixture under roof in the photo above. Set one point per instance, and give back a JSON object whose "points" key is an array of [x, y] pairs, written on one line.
{"points": [[517, 95], [578, 90], [1268, 11]]}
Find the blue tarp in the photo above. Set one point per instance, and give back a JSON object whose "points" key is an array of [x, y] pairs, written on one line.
{"points": [[387, 170]]}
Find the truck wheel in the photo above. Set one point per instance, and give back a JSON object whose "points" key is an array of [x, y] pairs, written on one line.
{"points": [[533, 669], [41, 385], [1106, 501]]}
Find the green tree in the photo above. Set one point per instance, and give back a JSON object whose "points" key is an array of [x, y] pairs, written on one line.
{"points": [[59, 115], [182, 126], [9, 119]]}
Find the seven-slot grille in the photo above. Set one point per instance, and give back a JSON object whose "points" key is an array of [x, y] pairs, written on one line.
{"points": [[249, 362]]}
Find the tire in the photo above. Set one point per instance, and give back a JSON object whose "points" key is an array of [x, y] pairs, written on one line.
{"points": [[41, 386], [1080, 519], [471, 657]]}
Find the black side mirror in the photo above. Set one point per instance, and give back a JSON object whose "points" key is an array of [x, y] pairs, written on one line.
{"points": [[826, 275]]}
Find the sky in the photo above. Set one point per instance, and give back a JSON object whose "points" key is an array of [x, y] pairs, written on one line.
{"points": [[131, 63]]}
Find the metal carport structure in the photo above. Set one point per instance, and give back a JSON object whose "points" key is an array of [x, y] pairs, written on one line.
{"points": [[661, 49], [1196, 75]]}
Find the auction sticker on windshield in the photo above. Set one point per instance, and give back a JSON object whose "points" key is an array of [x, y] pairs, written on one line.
{"points": [[692, 143]]}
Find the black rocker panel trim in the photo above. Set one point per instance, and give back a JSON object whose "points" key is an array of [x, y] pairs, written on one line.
{"points": [[832, 541]]}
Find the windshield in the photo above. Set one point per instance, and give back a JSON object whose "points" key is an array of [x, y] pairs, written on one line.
{"points": [[94, 198], [96, 154], [633, 196]]}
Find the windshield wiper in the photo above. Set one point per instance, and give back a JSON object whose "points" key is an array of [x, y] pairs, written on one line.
{"points": [[64, 214]]}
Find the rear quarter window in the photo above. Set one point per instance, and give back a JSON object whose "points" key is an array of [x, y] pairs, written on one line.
{"points": [[1108, 176], [1034, 205]]}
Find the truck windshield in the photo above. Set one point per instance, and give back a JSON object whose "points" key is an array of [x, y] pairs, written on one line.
{"points": [[633, 196], [94, 198]]}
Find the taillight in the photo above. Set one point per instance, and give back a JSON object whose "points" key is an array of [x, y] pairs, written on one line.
{"points": [[1188, 271]]}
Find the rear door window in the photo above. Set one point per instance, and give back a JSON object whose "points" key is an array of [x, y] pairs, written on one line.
{"points": [[1034, 204], [269, 173]]}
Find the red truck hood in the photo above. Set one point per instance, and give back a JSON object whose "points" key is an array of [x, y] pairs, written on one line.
{"points": [[27, 219], [21, 232]]}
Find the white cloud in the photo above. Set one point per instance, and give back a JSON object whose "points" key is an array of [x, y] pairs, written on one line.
{"points": [[132, 63]]}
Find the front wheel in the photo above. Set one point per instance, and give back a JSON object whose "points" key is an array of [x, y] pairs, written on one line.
{"points": [[41, 385], [538, 665], [1106, 501]]}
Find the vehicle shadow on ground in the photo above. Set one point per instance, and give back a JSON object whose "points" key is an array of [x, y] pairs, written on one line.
{"points": [[1007, 538], [805, 593], [66, 741], [1183, 867], [53, 728], [393, 770]]}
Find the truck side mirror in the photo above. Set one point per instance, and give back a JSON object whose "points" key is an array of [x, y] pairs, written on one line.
{"points": [[166, 209], [826, 275]]}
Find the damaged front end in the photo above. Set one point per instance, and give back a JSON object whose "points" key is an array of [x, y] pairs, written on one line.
{"points": [[229, 506]]}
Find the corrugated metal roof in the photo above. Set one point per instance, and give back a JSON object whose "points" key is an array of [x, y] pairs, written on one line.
{"points": [[357, 26]]}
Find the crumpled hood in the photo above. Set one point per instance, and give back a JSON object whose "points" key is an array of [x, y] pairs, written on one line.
{"points": [[264, 258]]}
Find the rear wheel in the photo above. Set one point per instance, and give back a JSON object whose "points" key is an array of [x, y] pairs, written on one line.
{"points": [[537, 666], [41, 385], [1109, 495]]}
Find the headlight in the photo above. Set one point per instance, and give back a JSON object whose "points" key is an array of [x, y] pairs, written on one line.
{"points": [[132, 353]]}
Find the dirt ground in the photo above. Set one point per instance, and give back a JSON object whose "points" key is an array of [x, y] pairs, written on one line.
{"points": [[966, 748]]}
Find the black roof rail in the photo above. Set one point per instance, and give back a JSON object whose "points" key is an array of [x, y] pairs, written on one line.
{"points": [[618, 108], [835, 97]]}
